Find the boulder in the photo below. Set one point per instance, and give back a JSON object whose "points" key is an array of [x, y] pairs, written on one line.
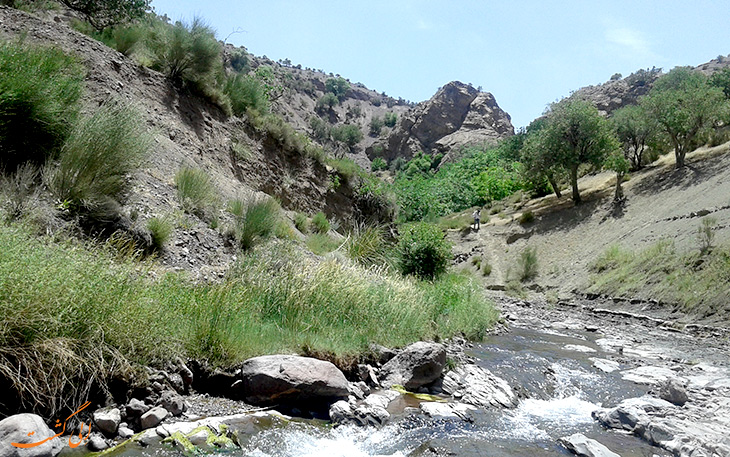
{"points": [[173, 403], [365, 414], [97, 443], [452, 411], [289, 379], [578, 444], [417, 365], [673, 391], [17, 428], [153, 417], [107, 421], [136, 408], [477, 386]]}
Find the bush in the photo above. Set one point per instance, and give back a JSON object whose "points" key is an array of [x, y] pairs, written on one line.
{"points": [[706, 234], [195, 190], [188, 54], [337, 87], [320, 223], [91, 176], [255, 219], [327, 102], [320, 129], [486, 268], [527, 264], [301, 222], [526, 217], [379, 164], [347, 134], [376, 125], [245, 92], [108, 13], [160, 230], [423, 251], [390, 119], [347, 168], [39, 94]]}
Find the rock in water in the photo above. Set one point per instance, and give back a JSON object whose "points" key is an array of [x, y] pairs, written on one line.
{"points": [[578, 444], [15, 429], [477, 386], [290, 379], [417, 365]]}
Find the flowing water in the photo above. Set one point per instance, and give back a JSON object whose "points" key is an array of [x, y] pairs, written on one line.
{"points": [[557, 378]]}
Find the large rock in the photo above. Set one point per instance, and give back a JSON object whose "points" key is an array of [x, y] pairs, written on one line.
{"points": [[477, 386], [107, 421], [458, 115], [289, 379], [578, 444], [674, 391], [16, 429], [153, 417], [415, 366]]}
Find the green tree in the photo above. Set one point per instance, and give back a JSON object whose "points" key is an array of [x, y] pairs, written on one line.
{"points": [[327, 102], [684, 104], [721, 79], [338, 86], [537, 162], [423, 250], [575, 134], [617, 162], [102, 14], [634, 129], [348, 134]]}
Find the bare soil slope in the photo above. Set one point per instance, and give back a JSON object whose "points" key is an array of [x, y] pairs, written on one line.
{"points": [[662, 203]]}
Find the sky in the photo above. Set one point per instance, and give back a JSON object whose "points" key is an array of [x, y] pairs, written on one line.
{"points": [[527, 53]]}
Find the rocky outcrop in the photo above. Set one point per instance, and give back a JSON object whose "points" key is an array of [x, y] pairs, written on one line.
{"points": [[617, 93], [417, 365], [291, 380], [458, 115], [18, 428]]}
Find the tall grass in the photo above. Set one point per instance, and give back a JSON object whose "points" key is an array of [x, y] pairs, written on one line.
{"points": [[39, 94], [196, 191], [93, 167], [72, 316], [527, 264], [367, 246], [254, 220], [246, 92], [697, 283]]}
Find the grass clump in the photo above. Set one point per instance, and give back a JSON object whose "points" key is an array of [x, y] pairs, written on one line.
{"points": [[301, 222], [526, 217], [17, 191], [91, 176], [367, 246], [254, 220], [160, 229], [196, 191], [706, 234], [527, 264], [39, 94], [246, 93], [320, 223], [322, 243], [423, 251]]}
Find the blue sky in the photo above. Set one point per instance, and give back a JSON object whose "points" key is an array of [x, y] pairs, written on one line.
{"points": [[527, 53]]}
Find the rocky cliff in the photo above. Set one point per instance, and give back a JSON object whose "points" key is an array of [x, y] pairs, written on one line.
{"points": [[458, 115]]}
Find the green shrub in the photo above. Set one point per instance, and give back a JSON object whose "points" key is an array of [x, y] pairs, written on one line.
{"points": [[337, 86], [245, 92], [376, 125], [327, 102], [347, 168], [301, 222], [160, 229], [196, 191], [320, 129], [239, 60], [188, 54], [486, 268], [320, 223], [348, 134], [254, 220], [39, 94], [390, 119], [527, 264], [284, 136], [423, 251], [92, 174], [108, 13], [379, 164], [284, 230], [367, 246]]}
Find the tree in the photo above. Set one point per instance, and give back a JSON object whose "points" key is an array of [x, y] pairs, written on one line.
{"points": [[338, 86], [102, 14], [348, 134], [721, 79], [617, 162], [634, 129], [684, 104], [574, 134]]}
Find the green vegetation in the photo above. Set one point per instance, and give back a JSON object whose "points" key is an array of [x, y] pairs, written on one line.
{"points": [[347, 134], [423, 250], [196, 191], [390, 119], [301, 222], [376, 125], [379, 164], [160, 229], [527, 264], [685, 105], [254, 220], [526, 217], [327, 102], [337, 87], [17, 191], [706, 234], [246, 93], [39, 94], [71, 314], [91, 176], [322, 243], [320, 223], [635, 131], [102, 14], [367, 246], [697, 283]]}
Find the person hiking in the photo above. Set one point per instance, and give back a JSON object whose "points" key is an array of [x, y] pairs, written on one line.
{"points": [[477, 218]]}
